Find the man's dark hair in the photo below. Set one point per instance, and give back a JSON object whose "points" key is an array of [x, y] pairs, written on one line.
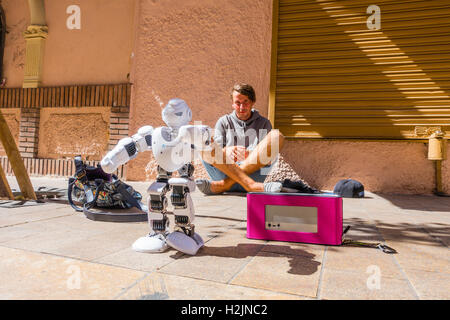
{"points": [[245, 89]]}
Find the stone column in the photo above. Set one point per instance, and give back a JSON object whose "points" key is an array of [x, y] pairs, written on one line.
{"points": [[35, 36]]}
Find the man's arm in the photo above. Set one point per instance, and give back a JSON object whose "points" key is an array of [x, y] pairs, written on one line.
{"points": [[220, 136], [267, 126], [232, 152]]}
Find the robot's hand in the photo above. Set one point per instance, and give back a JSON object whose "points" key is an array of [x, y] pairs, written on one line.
{"points": [[197, 135], [127, 149], [124, 151], [143, 138]]}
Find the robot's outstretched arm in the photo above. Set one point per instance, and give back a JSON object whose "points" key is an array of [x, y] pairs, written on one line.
{"points": [[198, 136], [127, 149]]}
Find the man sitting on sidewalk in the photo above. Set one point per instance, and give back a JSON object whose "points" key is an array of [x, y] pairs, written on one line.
{"points": [[244, 150]]}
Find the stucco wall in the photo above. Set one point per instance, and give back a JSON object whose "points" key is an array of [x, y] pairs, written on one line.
{"points": [[17, 19], [196, 50], [384, 167], [98, 53], [446, 172]]}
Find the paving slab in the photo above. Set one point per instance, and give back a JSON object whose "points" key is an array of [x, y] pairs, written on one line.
{"points": [[293, 274], [422, 257], [32, 275], [146, 262], [358, 260], [292, 248], [219, 260], [100, 245], [158, 286], [14, 216], [207, 228], [349, 285], [429, 285]]}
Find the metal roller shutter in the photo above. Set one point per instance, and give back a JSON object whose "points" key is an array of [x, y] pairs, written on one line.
{"points": [[333, 77]]}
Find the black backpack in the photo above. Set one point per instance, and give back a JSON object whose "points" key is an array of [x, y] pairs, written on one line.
{"points": [[92, 187]]}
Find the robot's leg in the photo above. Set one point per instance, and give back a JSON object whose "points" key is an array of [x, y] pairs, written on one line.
{"points": [[184, 238], [158, 221]]}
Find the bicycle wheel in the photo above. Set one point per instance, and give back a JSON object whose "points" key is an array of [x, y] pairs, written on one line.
{"points": [[76, 196]]}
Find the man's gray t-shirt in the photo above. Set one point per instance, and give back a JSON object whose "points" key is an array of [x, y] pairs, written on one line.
{"points": [[231, 131]]}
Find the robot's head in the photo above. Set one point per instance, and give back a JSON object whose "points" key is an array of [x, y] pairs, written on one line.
{"points": [[176, 113]]}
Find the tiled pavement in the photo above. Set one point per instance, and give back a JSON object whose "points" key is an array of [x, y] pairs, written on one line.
{"points": [[49, 251]]}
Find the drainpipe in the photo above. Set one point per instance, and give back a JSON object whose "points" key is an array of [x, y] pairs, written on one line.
{"points": [[437, 152]]}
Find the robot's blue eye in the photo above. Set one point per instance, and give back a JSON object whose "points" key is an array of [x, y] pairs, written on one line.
{"points": [[179, 114]]}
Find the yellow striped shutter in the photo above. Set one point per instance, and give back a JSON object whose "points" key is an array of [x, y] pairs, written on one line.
{"points": [[335, 75]]}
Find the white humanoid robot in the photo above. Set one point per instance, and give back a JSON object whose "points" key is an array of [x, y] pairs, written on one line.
{"points": [[173, 148]]}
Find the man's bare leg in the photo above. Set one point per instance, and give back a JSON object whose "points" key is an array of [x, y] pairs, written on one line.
{"points": [[264, 153], [234, 173], [230, 169]]}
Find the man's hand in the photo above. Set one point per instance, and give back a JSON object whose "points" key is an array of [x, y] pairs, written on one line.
{"points": [[236, 153]]}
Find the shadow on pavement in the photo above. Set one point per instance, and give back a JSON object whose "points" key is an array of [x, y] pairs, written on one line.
{"points": [[437, 234], [427, 203], [300, 261]]}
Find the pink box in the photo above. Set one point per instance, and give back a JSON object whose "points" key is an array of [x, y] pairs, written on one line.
{"points": [[295, 217]]}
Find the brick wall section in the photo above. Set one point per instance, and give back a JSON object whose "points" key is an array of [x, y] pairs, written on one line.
{"points": [[118, 125], [31, 100], [29, 133], [52, 167]]}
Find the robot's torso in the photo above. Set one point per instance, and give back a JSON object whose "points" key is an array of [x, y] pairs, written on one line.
{"points": [[174, 147]]}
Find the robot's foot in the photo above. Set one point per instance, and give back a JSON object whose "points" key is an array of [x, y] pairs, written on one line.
{"points": [[151, 243], [184, 243]]}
